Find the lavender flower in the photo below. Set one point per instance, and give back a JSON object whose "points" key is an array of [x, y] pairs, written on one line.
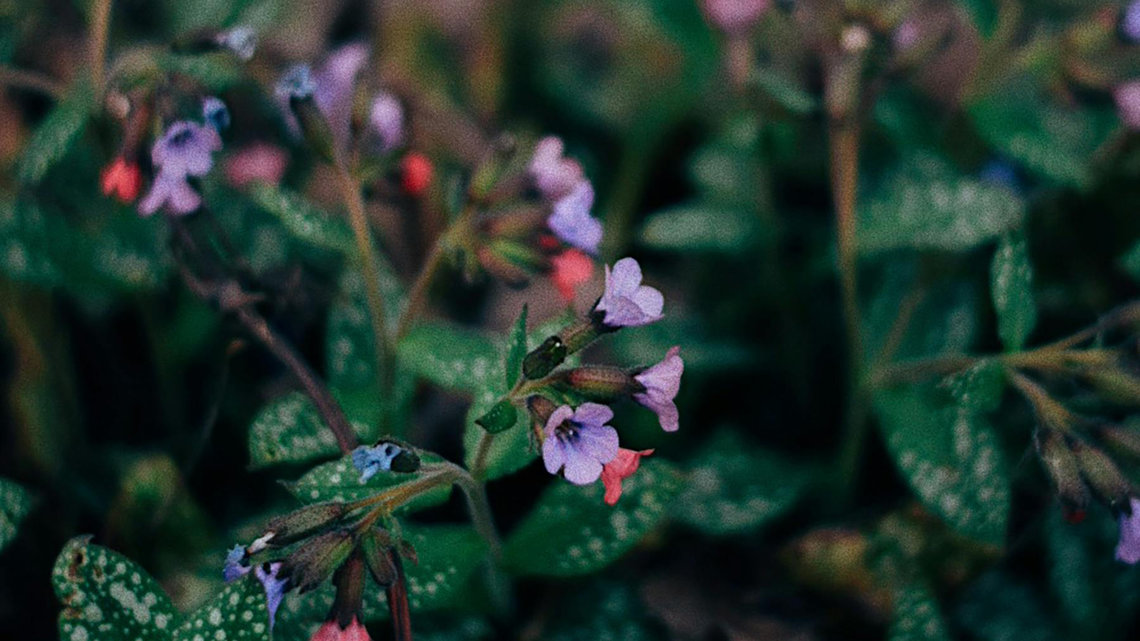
{"points": [[275, 588], [242, 41], [571, 220], [171, 191], [335, 83], [296, 83], [734, 16], [1127, 96], [1128, 549], [553, 175], [661, 382], [579, 442], [186, 149], [215, 113], [234, 567], [387, 120], [1129, 26], [625, 301]]}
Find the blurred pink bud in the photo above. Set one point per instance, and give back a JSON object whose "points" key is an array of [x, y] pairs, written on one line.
{"points": [[570, 269], [734, 16], [259, 162], [1127, 97]]}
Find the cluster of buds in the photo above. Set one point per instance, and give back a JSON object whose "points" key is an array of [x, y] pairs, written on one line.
{"points": [[577, 441], [303, 549], [1075, 452]]}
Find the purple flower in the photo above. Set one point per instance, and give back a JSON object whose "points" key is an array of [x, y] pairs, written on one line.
{"points": [[579, 442], [174, 192], [1127, 97], [335, 83], [1129, 26], [242, 41], [661, 382], [554, 175], [387, 120], [215, 113], [234, 568], [734, 16], [296, 83], [571, 220], [1128, 549], [625, 301], [186, 149], [275, 588]]}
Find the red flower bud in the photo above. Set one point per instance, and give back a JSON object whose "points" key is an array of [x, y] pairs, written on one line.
{"points": [[571, 268], [416, 173], [121, 179]]}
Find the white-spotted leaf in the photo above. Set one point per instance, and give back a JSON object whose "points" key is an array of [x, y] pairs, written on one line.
{"points": [[1011, 285]]}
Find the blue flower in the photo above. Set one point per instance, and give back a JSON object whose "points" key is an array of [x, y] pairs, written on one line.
{"points": [[625, 301], [275, 588], [1129, 26], [370, 460], [215, 113], [296, 83], [234, 568], [571, 220], [242, 41], [661, 383], [579, 442], [185, 149]]}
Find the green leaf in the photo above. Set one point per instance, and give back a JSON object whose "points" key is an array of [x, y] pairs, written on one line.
{"points": [[238, 613], [950, 458], [1076, 576], [979, 387], [602, 610], [785, 92], [510, 450], [290, 430], [107, 597], [995, 608], [925, 204], [916, 615], [1053, 141], [516, 349], [350, 347], [572, 531], [15, 503], [217, 71], [1011, 284], [502, 416], [56, 134], [451, 357], [702, 227], [340, 481], [302, 220], [983, 13], [942, 316], [735, 488]]}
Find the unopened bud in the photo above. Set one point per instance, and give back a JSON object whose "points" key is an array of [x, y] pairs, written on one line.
{"points": [[1121, 438], [312, 562], [501, 268], [349, 600], [544, 358], [491, 169], [1062, 468], [1102, 474], [374, 547], [499, 418], [600, 383], [304, 522], [297, 86]]}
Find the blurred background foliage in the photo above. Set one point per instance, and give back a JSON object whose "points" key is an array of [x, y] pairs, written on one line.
{"points": [[996, 212]]}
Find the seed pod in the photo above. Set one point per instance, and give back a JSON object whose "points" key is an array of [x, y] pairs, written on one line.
{"points": [[544, 358], [374, 546], [311, 563], [1102, 474], [600, 383], [304, 522], [1063, 469]]}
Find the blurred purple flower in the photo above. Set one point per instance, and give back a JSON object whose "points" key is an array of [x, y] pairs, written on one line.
{"points": [[234, 568], [571, 220], [186, 149], [662, 382], [1129, 26], [242, 41], [625, 301], [386, 118], [554, 175], [275, 588], [1127, 97], [215, 113], [335, 83], [296, 83], [173, 192], [1128, 549], [579, 442], [734, 16]]}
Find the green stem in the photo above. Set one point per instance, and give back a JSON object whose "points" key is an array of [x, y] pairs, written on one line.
{"points": [[630, 177], [100, 25], [417, 296], [358, 217], [30, 80]]}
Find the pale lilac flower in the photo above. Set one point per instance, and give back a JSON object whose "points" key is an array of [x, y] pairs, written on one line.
{"points": [[734, 16], [571, 220], [1128, 549], [296, 83], [579, 442], [907, 35], [554, 175], [234, 567], [386, 119], [215, 113], [335, 83], [625, 301], [1127, 97], [170, 191], [186, 149], [661, 382], [242, 41], [1129, 26], [371, 460], [275, 588]]}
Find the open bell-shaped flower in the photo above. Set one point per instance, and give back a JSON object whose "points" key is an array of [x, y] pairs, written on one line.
{"points": [[579, 442], [625, 301]]}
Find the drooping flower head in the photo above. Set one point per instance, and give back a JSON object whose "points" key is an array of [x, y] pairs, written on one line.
{"points": [[625, 301], [622, 467], [331, 631], [571, 220], [579, 442], [1127, 96], [734, 16], [275, 588], [569, 270], [215, 113], [1128, 548], [385, 456], [662, 382], [386, 118], [554, 175], [121, 179]]}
